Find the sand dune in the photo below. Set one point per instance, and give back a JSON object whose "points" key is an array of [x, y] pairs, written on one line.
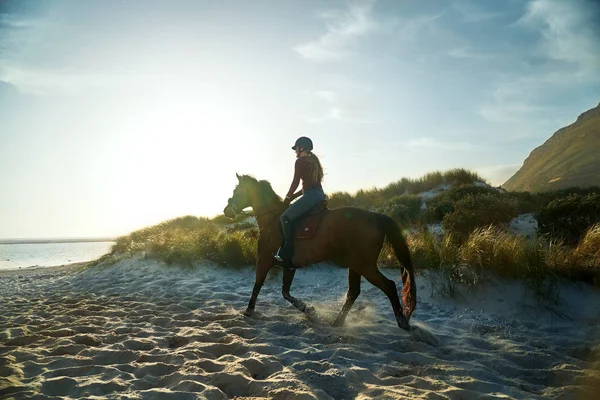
{"points": [[141, 330]]}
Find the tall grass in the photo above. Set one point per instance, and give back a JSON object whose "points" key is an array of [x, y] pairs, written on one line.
{"points": [[188, 240], [375, 197], [486, 249], [493, 251]]}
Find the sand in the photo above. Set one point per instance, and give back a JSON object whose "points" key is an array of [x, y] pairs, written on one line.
{"points": [[141, 330]]}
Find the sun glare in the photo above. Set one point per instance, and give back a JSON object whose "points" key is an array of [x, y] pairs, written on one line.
{"points": [[181, 154]]}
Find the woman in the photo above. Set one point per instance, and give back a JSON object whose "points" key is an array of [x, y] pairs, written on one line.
{"points": [[308, 169]]}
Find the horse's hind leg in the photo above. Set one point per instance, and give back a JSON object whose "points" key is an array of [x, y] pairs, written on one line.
{"points": [[353, 292], [288, 277], [389, 288]]}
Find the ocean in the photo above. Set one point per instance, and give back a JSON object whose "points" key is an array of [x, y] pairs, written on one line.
{"points": [[13, 256]]}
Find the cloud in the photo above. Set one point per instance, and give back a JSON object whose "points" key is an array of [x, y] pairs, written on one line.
{"points": [[567, 57], [466, 53], [331, 106], [513, 101], [335, 113], [431, 143], [411, 29], [343, 27], [327, 95], [471, 12], [43, 81], [570, 30]]}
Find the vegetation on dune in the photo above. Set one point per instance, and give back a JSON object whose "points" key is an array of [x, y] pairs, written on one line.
{"points": [[476, 211], [569, 217], [188, 240], [491, 250], [377, 198], [475, 240]]}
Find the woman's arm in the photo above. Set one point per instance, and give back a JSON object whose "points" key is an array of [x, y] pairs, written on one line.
{"points": [[295, 182]]}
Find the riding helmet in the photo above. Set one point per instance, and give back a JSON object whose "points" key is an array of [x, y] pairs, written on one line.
{"points": [[303, 143]]}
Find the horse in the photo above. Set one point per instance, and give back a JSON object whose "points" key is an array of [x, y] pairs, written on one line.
{"points": [[347, 236]]}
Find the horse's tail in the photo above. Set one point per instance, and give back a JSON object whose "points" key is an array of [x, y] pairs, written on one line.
{"points": [[396, 240]]}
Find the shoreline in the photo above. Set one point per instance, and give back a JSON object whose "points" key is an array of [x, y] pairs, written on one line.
{"points": [[54, 241], [34, 269]]}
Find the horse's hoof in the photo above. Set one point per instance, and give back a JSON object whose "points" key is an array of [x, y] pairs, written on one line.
{"points": [[337, 324], [249, 312], [403, 323], [310, 311]]}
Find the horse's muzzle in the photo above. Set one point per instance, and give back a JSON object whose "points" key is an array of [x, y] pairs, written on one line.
{"points": [[229, 211]]}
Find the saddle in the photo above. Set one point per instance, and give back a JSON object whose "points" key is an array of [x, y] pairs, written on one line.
{"points": [[308, 223]]}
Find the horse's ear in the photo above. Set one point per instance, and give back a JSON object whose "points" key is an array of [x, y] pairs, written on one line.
{"points": [[239, 177]]}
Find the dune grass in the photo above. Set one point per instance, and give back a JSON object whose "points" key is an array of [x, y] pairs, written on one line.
{"points": [[189, 240], [463, 256], [491, 251], [375, 197], [487, 251]]}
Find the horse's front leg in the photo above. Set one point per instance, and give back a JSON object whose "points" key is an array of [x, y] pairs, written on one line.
{"points": [[288, 277], [262, 268]]}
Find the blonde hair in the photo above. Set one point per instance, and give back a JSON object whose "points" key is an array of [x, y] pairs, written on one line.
{"points": [[316, 169]]}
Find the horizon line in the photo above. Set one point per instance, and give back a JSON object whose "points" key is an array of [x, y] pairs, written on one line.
{"points": [[57, 240]]}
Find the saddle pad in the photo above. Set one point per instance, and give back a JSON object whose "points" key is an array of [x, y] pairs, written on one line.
{"points": [[307, 227]]}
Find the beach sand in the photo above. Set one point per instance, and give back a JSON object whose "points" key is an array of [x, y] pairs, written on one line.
{"points": [[138, 329]]}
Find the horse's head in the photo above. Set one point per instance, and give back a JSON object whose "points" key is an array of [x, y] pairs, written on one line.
{"points": [[242, 197]]}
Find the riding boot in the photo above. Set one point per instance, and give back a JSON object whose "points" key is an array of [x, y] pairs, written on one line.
{"points": [[286, 252]]}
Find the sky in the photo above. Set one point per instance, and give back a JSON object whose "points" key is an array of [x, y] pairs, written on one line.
{"points": [[116, 115]]}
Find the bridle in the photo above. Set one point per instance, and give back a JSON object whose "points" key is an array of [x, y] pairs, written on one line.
{"points": [[242, 212]]}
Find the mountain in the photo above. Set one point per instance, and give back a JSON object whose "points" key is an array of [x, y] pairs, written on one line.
{"points": [[571, 157]]}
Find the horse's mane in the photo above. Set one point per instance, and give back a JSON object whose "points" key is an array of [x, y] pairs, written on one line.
{"points": [[264, 188]]}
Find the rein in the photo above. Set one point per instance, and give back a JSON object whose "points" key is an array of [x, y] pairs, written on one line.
{"points": [[242, 212]]}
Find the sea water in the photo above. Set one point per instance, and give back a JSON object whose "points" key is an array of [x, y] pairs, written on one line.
{"points": [[13, 256]]}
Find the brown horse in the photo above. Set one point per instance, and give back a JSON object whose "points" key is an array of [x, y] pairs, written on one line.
{"points": [[350, 237]]}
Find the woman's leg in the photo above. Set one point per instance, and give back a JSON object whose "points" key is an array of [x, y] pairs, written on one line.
{"points": [[288, 219]]}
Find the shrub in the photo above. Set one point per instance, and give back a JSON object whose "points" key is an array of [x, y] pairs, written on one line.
{"points": [[340, 199], [405, 209], [478, 211], [438, 208], [366, 199], [568, 218], [526, 202], [443, 204]]}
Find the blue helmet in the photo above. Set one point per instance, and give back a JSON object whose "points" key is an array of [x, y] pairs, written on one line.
{"points": [[303, 143]]}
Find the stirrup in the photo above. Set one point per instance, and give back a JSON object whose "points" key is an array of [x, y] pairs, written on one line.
{"points": [[277, 255]]}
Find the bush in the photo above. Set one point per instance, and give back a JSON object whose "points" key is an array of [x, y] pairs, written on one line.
{"points": [[526, 202], [405, 209], [568, 218], [366, 199], [443, 204], [478, 211], [340, 199]]}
